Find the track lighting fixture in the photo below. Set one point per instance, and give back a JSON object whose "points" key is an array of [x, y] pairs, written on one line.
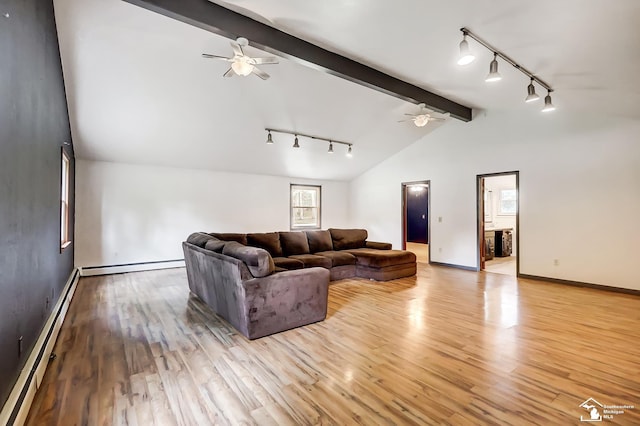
{"points": [[296, 143], [467, 57], [548, 106], [494, 75], [531, 93]]}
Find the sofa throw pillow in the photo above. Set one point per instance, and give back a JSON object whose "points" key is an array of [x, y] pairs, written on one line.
{"points": [[294, 243], [345, 239], [270, 241], [199, 239], [319, 241], [241, 238], [215, 244]]}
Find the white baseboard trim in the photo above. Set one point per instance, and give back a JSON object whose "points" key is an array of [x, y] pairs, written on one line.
{"points": [[87, 271], [16, 408]]}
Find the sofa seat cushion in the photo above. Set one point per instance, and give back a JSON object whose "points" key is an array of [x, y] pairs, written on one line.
{"points": [[270, 241], [294, 243], [288, 263], [338, 258], [319, 241], [258, 260], [345, 239], [311, 260], [381, 258], [241, 238]]}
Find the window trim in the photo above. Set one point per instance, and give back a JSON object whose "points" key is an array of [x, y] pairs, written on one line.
{"points": [[318, 207], [65, 183]]}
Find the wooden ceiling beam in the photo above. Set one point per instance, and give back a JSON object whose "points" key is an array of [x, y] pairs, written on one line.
{"points": [[222, 21]]}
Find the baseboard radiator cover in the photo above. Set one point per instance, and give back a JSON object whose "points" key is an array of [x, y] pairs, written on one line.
{"points": [[87, 271], [16, 408]]}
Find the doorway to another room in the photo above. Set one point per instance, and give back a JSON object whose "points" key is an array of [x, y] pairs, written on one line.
{"points": [[498, 220], [415, 219]]}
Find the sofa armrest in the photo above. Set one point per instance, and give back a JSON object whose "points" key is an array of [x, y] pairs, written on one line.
{"points": [[285, 300], [377, 245]]}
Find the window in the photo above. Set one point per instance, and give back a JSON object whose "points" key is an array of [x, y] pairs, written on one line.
{"points": [[508, 201], [64, 202], [305, 206]]}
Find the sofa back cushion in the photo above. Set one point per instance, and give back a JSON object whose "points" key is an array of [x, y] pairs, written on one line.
{"points": [[258, 260], [215, 244], [199, 239], [270, 241], [294, 243], [241, 238], [345, 239], [319, 241]]}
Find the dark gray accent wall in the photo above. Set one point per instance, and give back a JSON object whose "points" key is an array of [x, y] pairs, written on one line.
{"points": [[34, 125]]}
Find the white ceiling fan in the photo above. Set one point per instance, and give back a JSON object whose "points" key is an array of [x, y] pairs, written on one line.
{"points": [[242, 64], [425, 116]]}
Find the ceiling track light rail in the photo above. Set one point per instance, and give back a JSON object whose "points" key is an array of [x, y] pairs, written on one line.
{"points": [[312, 137], [467, 57]]}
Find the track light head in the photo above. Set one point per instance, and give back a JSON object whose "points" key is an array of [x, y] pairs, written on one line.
{"points": [[330, 147], [494, 75], [466, 57], [349, 153], [295, 142], [531, 93], [269, 138], [548, 106]]}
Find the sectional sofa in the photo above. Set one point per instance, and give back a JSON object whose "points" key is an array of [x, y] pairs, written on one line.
{"points": [[264, 283]]}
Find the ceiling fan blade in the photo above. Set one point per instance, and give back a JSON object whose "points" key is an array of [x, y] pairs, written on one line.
{"points": [[411, 115], [263, 61], [263, 75], [229, 73], [209, 56], [237, 49]]}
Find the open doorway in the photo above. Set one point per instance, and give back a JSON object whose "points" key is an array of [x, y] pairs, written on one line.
{"points": [[498, 222], [415, 219]]}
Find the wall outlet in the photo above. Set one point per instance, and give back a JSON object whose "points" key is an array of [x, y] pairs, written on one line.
{"points": [[556, 262], [439, 249], [440, 219]]}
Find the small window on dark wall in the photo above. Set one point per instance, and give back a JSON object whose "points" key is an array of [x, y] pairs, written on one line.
{"points": [[64, 202], [305, 206]]}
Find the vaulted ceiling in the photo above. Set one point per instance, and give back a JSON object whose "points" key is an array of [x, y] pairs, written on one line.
{"points": [[139, 91]]}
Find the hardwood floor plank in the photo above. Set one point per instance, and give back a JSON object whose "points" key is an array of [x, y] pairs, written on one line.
{"points": [[445, 347]]}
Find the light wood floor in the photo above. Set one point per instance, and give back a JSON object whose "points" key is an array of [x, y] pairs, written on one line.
{"points": [[446, 347], [501, 265], [420, 250]]}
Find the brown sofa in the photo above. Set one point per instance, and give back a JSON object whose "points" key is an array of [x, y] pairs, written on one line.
{"points": [[345, 253], [264, 283]]}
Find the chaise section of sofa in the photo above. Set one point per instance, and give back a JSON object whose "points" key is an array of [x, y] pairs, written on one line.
{"points": [[240, 284]]}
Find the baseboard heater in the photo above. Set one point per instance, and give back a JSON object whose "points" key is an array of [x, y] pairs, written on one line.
{"points": [[87, 271], [16, 408]]}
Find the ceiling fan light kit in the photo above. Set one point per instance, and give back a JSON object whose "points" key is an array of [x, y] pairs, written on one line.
{"points": [[241, 64], [466, 57], [296, 143], [425, 116]]}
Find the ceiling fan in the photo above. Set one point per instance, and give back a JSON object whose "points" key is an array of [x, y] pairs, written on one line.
{"points": [[242, 64], [425, 116]]}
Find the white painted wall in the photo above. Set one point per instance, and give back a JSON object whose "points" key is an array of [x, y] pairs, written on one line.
{"points": [[129, 213], [579, 192]]}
